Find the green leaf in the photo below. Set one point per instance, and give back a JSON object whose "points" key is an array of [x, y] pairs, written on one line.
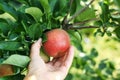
{"points": [[17, 4], [60, 8], [116, 18], [45, 5], [35, 12], [93, 53], [86, 15], [117, 2], [109, 33], [105, 12], [109, 71], [6, 16], [98, 23], [102, 65], [14, 77], [6, 8], [44, 38], [117, 32], [9, 45], [17, 60], [4, 27], [76, 6], [111, 65], [69, 77], [24, 26], [35, 31], [44, 56], [76, 39], [52, 4], [13, 37]]}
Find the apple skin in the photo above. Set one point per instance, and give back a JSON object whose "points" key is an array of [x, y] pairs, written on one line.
{"points": [[58, 42]]}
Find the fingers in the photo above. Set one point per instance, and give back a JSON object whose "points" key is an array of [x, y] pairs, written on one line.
{"points": [[36, 60], [69, 59], [64, 62], [35, 49], [59, 61], [70, 56]]}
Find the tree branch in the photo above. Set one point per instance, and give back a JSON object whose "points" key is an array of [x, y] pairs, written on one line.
{"points": [[64, 22], [83, 22], [82, 27], [71, 1], [79, 12]]}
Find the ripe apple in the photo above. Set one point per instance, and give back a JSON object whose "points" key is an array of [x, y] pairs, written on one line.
{"points": [[5, 70], [57, 43]]}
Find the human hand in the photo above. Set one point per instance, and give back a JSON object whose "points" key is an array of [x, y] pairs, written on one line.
{"points": [[56, 69]]}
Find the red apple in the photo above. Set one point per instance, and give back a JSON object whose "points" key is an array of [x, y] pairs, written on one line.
{"points": [[58, 42]]}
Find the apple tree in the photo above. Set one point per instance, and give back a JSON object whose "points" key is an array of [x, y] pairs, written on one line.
{"points": [[24, 21]]}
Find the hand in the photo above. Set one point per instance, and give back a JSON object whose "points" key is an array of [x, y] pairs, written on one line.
{"points": [[57, 69]]}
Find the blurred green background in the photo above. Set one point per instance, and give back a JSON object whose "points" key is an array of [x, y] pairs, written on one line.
{"points": [[95, 33], [101, 65]]}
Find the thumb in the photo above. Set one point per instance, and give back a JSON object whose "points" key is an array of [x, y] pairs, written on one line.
{"points": [[35, 49], [36, 60]]}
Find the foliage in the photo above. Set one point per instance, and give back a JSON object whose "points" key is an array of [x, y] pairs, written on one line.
{"points": [[24, 21]]}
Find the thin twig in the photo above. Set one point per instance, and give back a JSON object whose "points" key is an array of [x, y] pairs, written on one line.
{"points": [[83, 22], [82, 27], [79, 12], [71, 1], [64, 22]]}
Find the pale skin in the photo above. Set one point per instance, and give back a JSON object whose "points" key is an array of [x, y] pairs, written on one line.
{"points": [[57, 69]]}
